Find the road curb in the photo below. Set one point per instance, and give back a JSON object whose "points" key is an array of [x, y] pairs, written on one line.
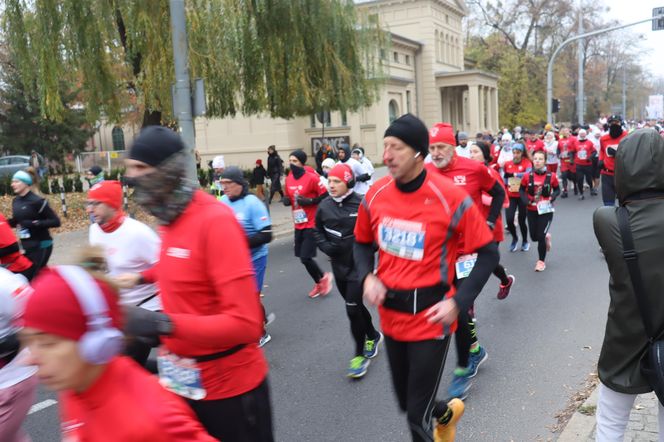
{"points": [[581, 426]]}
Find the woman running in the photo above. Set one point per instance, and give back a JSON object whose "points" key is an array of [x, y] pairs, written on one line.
{"points": [[539, 189], [514, 172], [33, 217], [481, 152]]}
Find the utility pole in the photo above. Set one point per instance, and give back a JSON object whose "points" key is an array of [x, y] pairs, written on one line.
{"points": [[579, 91], [182, 98], [624, 95]]}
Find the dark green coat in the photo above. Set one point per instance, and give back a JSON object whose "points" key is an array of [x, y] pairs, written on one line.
{"points": [[640, 187]]}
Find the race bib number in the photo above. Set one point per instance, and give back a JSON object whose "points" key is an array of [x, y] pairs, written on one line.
{"points": [[300, 216], [514, 183], [23, 233], [180, 375], [544, 207], [583, 155], [464, 265], [401, 238]]}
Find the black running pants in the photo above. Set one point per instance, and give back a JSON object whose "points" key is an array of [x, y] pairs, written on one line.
{"points": [[608, 190], [517, 203], [539, 227], [584, 172], [361, 326]]}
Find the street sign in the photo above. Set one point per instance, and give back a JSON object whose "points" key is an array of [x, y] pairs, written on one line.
{"points": [[658, 25]]}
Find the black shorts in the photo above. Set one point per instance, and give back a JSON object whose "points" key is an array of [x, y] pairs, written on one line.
{"points": [[305, 243]]}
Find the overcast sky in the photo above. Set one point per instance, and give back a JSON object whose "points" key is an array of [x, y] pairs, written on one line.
{"points": [[627, 11]]}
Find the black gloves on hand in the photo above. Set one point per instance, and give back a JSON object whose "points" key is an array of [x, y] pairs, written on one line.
{"points": [[140, 322], [285, 201], [303, 201]]}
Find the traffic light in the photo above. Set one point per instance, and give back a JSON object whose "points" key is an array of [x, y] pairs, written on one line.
{"points": [[555, 105]]}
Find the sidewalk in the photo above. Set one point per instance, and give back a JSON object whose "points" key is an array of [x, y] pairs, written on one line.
{"points": [[642, 426]]}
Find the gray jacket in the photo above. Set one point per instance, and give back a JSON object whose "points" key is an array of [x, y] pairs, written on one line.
{"points": [[640, 187]]}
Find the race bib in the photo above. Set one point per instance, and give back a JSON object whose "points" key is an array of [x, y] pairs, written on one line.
{"points": [[300, 216], [464, 265], [401, 238], [583, 154], [180, 375], [514, 183], [544, 207]]}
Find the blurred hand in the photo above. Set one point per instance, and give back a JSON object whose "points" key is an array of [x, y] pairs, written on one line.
{"points": [[374, 290], [127, 280], [445, 312]]}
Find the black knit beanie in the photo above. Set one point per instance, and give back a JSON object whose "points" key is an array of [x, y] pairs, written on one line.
{"points": [[155, 144], [300, 155], [234, 174], [412, 131]]}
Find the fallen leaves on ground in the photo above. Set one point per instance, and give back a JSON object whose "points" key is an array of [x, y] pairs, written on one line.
{"points": [[576, 401]]}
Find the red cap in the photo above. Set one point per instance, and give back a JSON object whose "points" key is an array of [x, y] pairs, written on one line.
{"points": [[442, 133], [107, 192], [341, 171], [259, 162], [53, 307]]}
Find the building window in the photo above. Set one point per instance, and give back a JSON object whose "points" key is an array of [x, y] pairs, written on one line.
{"points": [[447, 19], [394, 110], [118, 138], [407, 59], [408, 109], [437, 46], [383, 56], [312, 121], [395, 55], [447, 57], [344, 118]]}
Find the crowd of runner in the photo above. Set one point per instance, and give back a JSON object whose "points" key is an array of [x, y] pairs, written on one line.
{"points": [[420, 244]]}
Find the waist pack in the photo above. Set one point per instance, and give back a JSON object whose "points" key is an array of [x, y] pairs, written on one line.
{"points": [[652, 361], [415, 300]]}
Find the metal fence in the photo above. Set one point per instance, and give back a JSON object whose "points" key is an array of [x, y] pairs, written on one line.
{"points": [[108, 160]]}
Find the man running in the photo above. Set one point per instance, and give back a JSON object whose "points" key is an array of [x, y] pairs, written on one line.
{"points": [[514, 170], [584, 154], [359, 170], [416, 219], [607, 158], [304, 191], [567, 148]]}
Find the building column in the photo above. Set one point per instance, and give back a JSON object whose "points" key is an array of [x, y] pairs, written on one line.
{"points": [[494, 105], [473, 108]]}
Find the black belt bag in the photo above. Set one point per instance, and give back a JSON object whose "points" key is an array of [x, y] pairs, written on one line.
{"points": [[416, 300]]}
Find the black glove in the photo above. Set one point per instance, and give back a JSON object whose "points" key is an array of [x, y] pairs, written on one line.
{"points": [[362, 178], [303, 201], [285, 201], [601, 165], [610, 151], [508, 175], [140, 322], [27, 223]]}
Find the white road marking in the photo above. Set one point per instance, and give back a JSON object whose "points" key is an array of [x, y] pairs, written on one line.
{"points": [[39, 406]]}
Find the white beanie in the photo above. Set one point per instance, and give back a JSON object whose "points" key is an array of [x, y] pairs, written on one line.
{"points": [[218, 162], [328, 162]]}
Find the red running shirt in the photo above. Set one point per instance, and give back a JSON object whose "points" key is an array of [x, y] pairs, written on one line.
{"points": [[418, 237], [583, 153], [609, 159], [518, 170], [534, 146], [472, 176], [14, 261], [538, 182], [567, 147], [208, 290], [308, 186], [126, 403]]}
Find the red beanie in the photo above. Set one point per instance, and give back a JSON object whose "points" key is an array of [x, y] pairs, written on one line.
{"points": [[53, 307], [342, 171], [442, 133], [259, 162], [107, 192]]}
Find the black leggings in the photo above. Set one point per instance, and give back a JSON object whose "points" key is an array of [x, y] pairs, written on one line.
{"points": [[275, 187], [39, 257], [516, 202], [465, 334], [416, 369], [539, 227], [243, 418], [608, 190], [361, 326], [312, 267], [568, 176], [587, 172]]}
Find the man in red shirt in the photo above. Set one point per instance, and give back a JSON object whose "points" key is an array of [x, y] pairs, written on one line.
{"points": [[10, 253], [567, 147], [608, 146], [72, 326], [212, 317], [417, 220], [533, 142], [473, 177], [303, 192], [583, 158]]}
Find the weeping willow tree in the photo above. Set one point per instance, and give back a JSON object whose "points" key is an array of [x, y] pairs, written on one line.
{"points": [[283, 58]]}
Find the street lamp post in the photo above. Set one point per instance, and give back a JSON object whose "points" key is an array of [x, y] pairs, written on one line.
{"points": [[549, 72]]}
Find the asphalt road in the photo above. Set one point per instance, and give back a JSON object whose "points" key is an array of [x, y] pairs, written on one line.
{"points": [[542, 341]]}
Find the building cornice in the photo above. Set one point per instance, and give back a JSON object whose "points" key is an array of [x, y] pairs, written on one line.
{"points": [[470, 73]]}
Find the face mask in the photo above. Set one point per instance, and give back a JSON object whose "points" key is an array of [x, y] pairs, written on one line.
{"points": [[297, 171], [615, 131]]}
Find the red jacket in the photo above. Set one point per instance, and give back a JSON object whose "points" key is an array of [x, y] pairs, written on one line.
{"points": [[607, 152], [126, 404], [10, 254], [307, 186], [584, 152], [567, 148]]}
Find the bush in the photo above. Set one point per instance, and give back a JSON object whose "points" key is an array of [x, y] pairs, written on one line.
{"points": [[68, 184], [78, 183], [43, 186], [203, 178], [55, 185]]}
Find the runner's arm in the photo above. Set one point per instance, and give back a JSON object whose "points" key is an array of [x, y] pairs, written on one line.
{"points": [[261, 237], [363, 254], [498, 194], [328, 247]]}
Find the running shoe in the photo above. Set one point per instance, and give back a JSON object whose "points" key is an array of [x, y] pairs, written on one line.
{"points": [[593, 192], [525, 246], [358, 367], [581, 198], [540, 266], [564, 194], [315, 292], [447, 432], [459, 387], [371, 346], [504, 290], [264, 339], [548, 242], [269, 319], [475, 360], [576, 192], [325, 284], [515, 246]]}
